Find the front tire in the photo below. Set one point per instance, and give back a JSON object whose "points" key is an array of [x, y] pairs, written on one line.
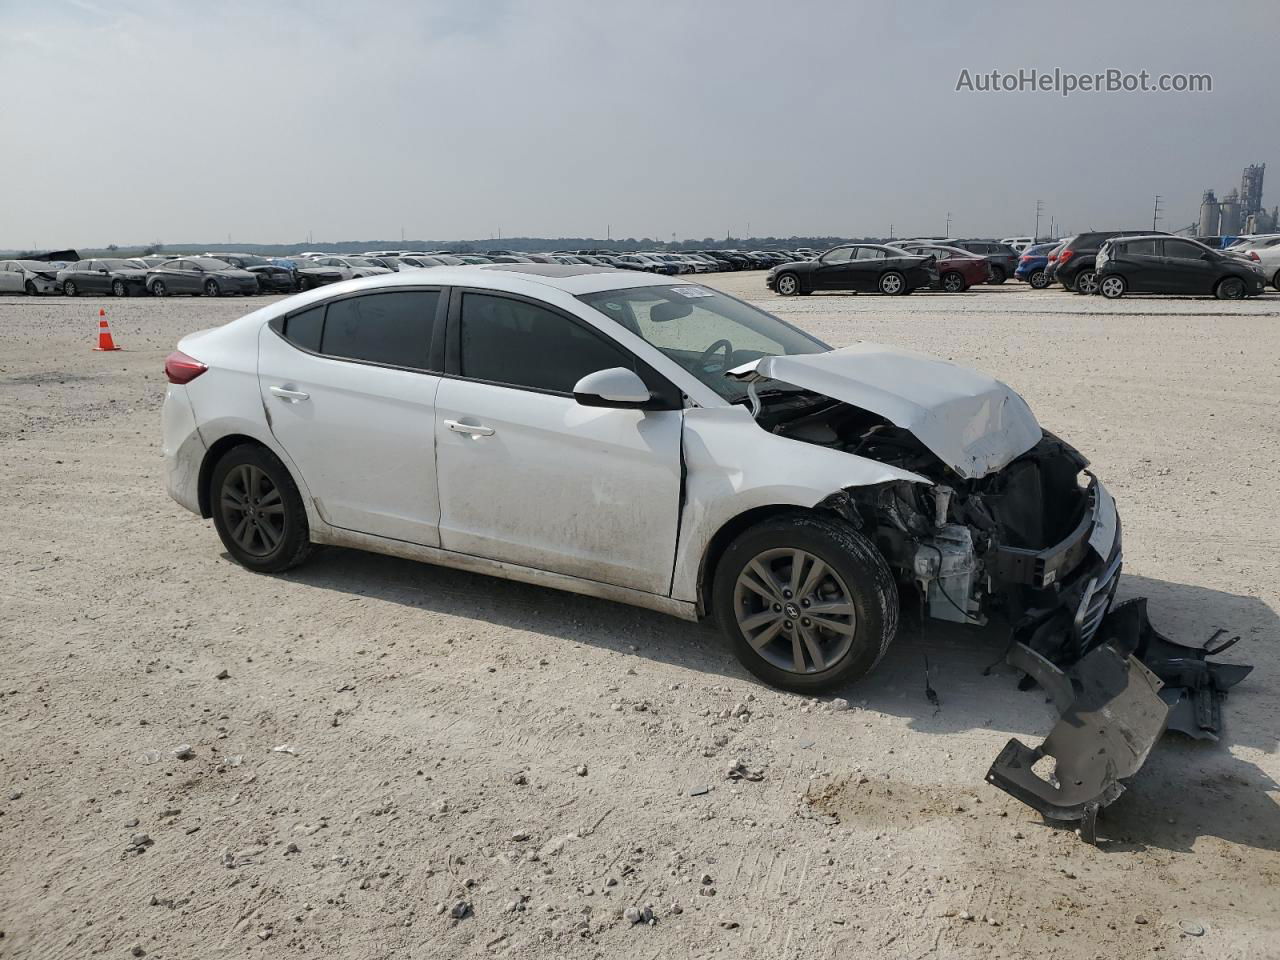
{"points": [[158, 289], [257, 510], [1230, 288], [953, 282], [118, 289], [69, 288], [806, 602], [1275, 281], [893, 283], [1038, 280], [1112, 288], [787, 285], [1086, 282], [30, 287]]}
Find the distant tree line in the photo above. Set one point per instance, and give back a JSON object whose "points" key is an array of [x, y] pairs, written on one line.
{"points": [[526, 244]]}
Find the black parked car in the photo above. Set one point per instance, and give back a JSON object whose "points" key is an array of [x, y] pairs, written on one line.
{"points": [[856, 266], [1001, 257], [272, 277], [1074, 268], [1164, 264], [123, 278], [200, 276]]}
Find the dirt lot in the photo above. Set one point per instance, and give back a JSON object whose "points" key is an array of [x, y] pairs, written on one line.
{"points": [[551, 760]]}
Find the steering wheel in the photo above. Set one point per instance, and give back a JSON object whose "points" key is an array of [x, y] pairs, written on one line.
{"points": [[704, 361]]}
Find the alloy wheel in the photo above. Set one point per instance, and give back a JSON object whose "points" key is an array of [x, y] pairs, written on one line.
{"points": [[891, 283], [1087, 282], [69, 288], [1112, 287], [252, 510], [1231, 289], [787, 285], [795, 611], [953, 283], [117, 288]]}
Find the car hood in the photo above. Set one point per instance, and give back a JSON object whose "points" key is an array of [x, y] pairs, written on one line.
{"points": [[975, 424]]}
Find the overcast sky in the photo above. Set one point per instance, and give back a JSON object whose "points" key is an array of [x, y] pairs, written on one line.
{"points": [[130, 121]]}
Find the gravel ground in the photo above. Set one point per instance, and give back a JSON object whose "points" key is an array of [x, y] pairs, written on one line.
{"points": [[371, 758]]}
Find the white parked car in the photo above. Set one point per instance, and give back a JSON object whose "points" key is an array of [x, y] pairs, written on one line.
{"points": [[350, 268], [31, 277], [639, 438], [659, 443], [1263, 251]]}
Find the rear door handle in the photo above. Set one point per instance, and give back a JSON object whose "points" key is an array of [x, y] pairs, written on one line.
{"points": [[291, 395], [472, 429]]}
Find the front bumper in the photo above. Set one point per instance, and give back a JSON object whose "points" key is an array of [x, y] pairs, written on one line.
{"points": [[46, 285]]}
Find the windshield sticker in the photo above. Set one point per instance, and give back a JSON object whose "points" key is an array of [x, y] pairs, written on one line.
{"points": [[692, 292]]}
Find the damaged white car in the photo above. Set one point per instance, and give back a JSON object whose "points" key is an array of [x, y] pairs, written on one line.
{"points": [[660, 443]]}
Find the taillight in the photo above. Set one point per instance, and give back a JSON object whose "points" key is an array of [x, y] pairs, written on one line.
{"points": [[1024, 258], [1065, 255], [1253, 255], [180, 368]]}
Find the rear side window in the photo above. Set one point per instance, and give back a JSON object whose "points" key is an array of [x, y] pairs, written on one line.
{"points": [[304, 328], [391, 328], [523, 345], [1142, 248]]}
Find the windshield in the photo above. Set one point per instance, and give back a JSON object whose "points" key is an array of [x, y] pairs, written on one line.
{"points": [[704, 331], [118, 264], [211, 264]]}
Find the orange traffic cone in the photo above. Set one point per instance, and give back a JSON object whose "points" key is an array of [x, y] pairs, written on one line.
{"points": [[104, 333]]}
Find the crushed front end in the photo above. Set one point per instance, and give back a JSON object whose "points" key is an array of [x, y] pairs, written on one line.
{"points": [[1033, 540]]}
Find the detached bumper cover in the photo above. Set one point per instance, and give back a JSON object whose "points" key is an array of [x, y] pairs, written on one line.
{"points": [[1115, 703]]}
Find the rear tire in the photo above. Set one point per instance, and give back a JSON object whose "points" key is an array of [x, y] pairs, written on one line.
{"points": [[953, 282], [258, 511], [1086, 282], [854, 586], [211, 288], [158, 289], [69, 288], [893, 283], [998, 276], [1113, 287], [1038, 280]]}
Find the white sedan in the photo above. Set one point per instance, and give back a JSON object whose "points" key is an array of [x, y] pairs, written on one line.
{"points": [[647, 440], [1265, 252], [31, 277]]}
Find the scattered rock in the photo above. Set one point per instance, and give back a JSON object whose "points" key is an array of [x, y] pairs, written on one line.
{"points": [[699, 791], [460, 909], [292, 848], [222, 674], [1140, 919], [265, 933], [631, 915], [183, 751], [839, 703], [137, 950], [131, 822], [739, 710], [676, 908], [966, 915], [520, 779], [740, 771], [729, 924], [15, 795], [581, 770], [707, 880], [519, 836], [285, 748]]}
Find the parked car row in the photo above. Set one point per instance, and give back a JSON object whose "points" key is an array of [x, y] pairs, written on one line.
{"points": [[1116, 262]]}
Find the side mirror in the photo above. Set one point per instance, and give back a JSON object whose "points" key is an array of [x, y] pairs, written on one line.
{"points": [[615, 387], [1208, 256]]}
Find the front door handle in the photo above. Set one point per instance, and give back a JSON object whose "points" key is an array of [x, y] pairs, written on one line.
{"points": [[291, 395], [471, 429]]}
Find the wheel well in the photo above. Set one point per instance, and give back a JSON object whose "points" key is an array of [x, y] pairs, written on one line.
{"points": [[211, 458], [726, 535]]}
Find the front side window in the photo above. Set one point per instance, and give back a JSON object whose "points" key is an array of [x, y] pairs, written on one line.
{"points": [[838, 255], [704, 331], [523, 345]]}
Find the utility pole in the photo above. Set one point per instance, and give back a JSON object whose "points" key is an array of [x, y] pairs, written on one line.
{"points": [[891, 231], [1039, 208], [947, 234], [1155, 213]]}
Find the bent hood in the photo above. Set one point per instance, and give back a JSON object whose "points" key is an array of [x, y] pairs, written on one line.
{"points": [[976, 425]]}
